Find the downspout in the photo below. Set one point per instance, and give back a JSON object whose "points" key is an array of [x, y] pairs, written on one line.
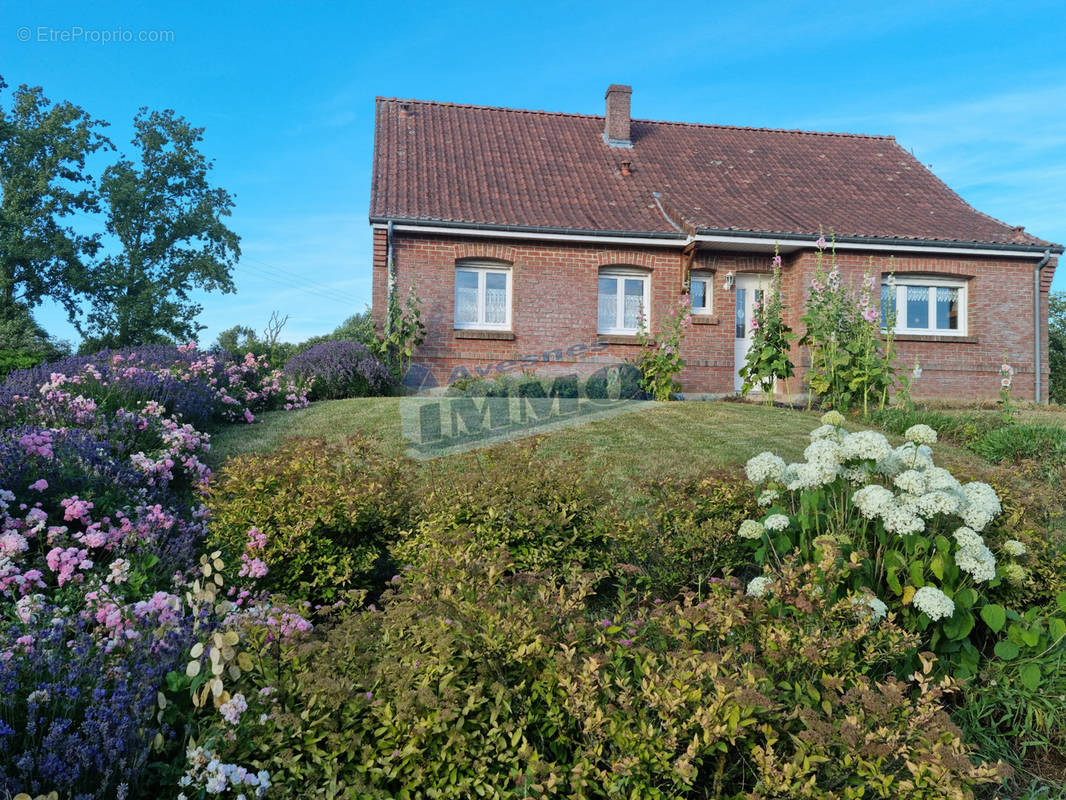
{"points": [[1036, 322], [390, 278]]}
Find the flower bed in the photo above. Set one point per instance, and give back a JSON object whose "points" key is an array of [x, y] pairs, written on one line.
{"points": [[101, 523]]}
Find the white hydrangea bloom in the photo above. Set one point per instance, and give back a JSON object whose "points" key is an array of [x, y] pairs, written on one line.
{"points": [[889, 465], [800, 476], [823, 450], [776, 522], [934, 603], [911, 481], [920, 434], [940, 479], [873, 500], [857, 474], [758, 585], [765, 467], [912, 456], [867, 445], [833, 418], [901, 520], [768, 497], [868, 604], [968, 538], [982, 505], [827, 432], [1012, 547], [939, 502], [978, 562], [750, 529]]}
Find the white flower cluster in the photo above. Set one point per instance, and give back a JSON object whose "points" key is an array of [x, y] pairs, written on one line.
{"points": [[776, 522], [767, 497], [870, 605], [920, 434], [833, 418], [206, 772], [1012, 547], [765, 467], [933, 602], [758, 586], [750, 529]]}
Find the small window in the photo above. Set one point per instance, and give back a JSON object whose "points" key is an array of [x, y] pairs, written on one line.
{"points": [[623, 301], [701, 292], [924, 305], [482, 297]]}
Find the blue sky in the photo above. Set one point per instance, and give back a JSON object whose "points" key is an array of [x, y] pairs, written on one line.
{"points": [[286, 93]]}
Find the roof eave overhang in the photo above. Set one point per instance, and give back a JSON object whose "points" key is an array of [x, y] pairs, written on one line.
{"points": [[725, 239]]}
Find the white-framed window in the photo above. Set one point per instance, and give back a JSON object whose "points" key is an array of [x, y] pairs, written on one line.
{"points": [[932, 306], [701, 292], [624, 297], [482, 296]]}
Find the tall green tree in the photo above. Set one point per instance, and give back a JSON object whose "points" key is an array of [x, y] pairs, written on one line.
{"points": [[168, 223], [1057, 346], [44, 187]]}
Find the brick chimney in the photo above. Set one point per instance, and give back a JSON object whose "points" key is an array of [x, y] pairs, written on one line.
{"points": [[616, 128]]}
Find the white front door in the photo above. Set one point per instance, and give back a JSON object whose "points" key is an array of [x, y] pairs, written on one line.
{"points": [[748, 290]]}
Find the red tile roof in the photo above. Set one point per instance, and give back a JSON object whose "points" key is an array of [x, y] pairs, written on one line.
{"points": [[536, 169]]}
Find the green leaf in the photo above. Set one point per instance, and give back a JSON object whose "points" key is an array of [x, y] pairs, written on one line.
{"points": [[917, 573], [1030, 676], [1061, 600], [994, 616], [959, 626], [965, 598], [1006, 649]]}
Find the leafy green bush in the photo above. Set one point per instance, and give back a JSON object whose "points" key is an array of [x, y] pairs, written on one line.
{"points": [[688, 531], [478, 680], [548, 515], [327, 511], [1046, 443], [961, 428]]}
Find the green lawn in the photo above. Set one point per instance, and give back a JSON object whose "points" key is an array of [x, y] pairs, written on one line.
{"points": [[679, 439]]}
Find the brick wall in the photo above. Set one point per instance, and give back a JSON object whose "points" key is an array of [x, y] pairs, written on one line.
{"points": [[554, 311]]}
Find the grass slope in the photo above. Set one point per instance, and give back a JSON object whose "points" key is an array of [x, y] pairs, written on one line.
{"points": [[679, 439]]}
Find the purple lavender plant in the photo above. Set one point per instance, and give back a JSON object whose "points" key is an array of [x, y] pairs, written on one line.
{"points": [[341, 369]]}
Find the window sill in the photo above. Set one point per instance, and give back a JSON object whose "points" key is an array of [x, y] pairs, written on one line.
{"points": [[921, 337], [705, 319], [616, 338], [469, 333]]}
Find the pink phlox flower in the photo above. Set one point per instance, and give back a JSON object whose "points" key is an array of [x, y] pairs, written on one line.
{"points": [[76, 509]]}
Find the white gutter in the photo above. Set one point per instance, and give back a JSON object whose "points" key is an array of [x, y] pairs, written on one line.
{"points": [[768, 242], [548, 237]]}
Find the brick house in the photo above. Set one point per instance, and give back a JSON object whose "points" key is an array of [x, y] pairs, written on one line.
{"points": [[535, 239]]}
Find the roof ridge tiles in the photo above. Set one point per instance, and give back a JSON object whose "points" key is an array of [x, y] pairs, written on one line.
{"points": [[572, 114]]}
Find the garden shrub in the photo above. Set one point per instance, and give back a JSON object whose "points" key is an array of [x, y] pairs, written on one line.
{"points": [[914, 531], [851, 360], [337, 370], [476, 679], [203, 389], [616, 382], [962, 428], [1022, 441], [549, 515], [327, 512], [687, 533]]}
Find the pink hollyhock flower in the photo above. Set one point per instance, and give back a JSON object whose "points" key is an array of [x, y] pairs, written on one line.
{"points": [[820, 244], [870, 315], [777, 261]]}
